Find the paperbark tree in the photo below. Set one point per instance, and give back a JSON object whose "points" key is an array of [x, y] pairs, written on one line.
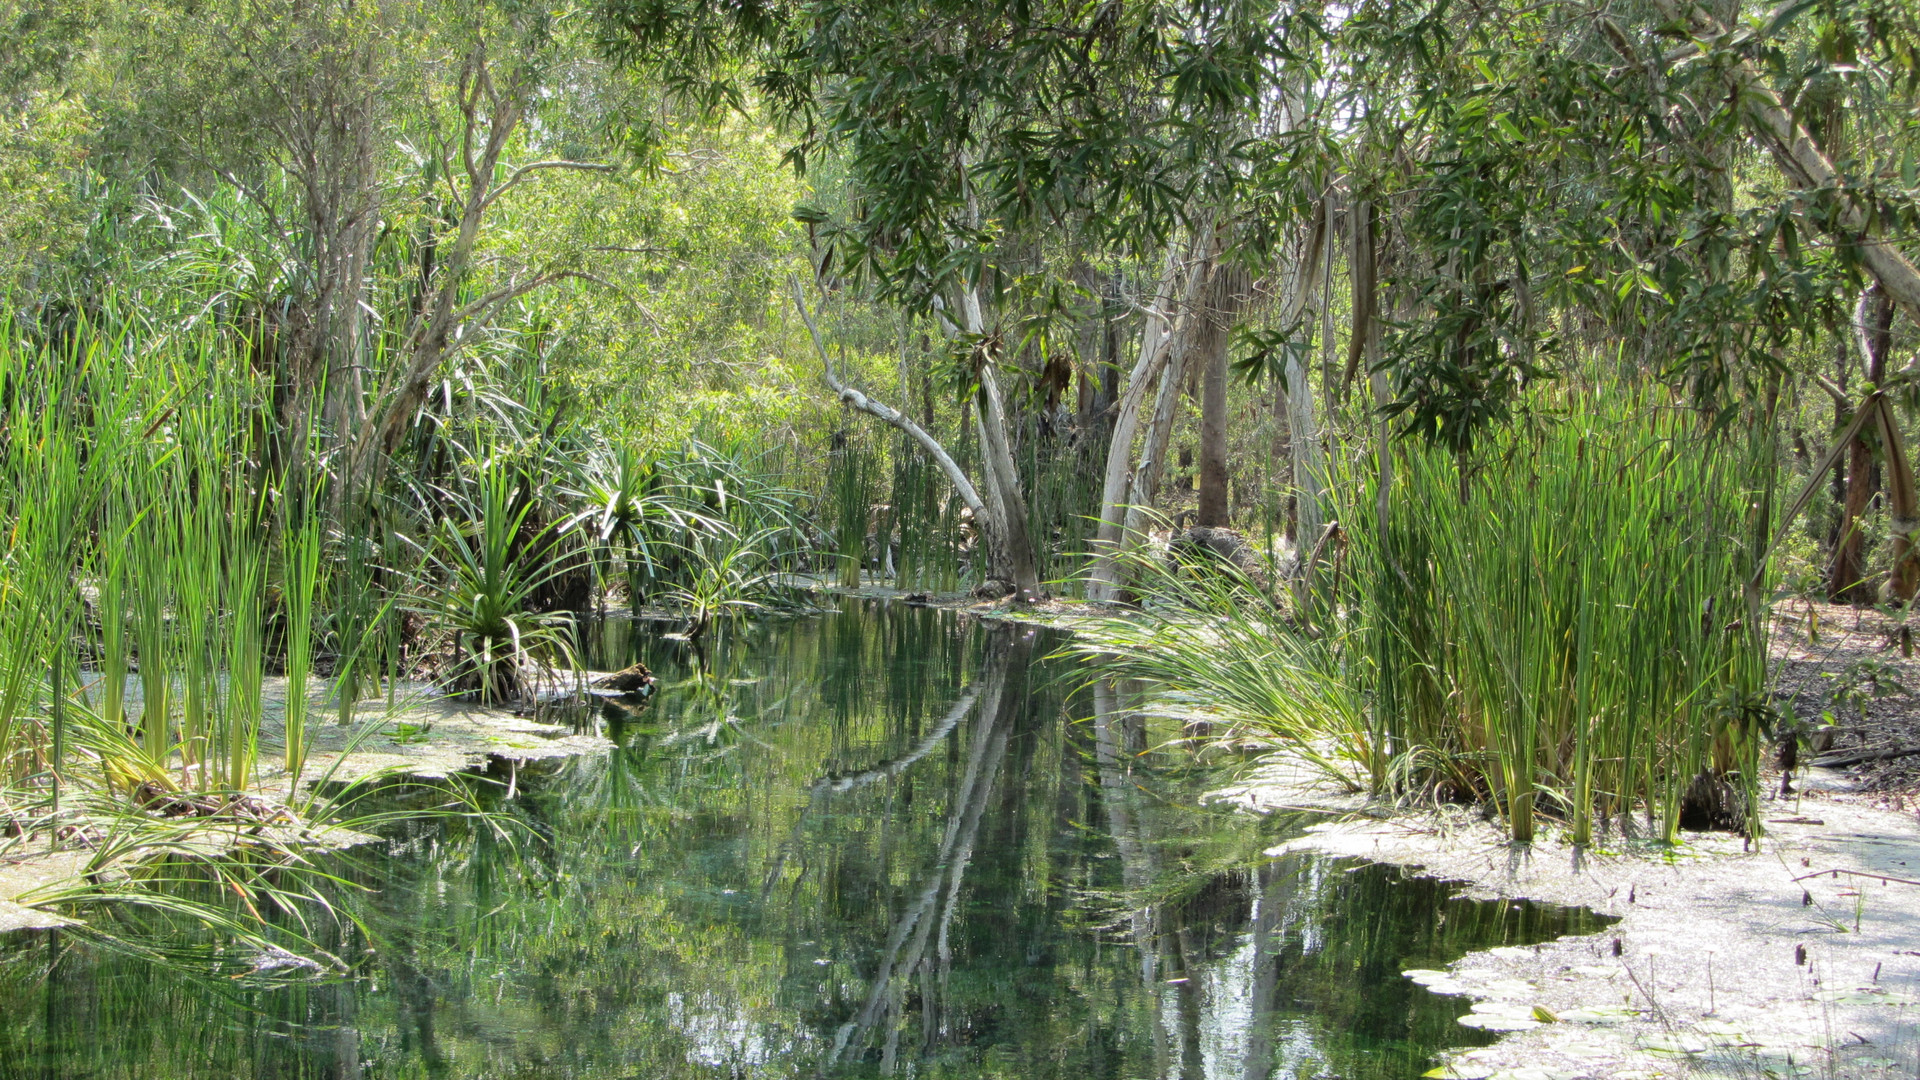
{"points": [[1180, 281], [1226, 295], [1299, 279]]}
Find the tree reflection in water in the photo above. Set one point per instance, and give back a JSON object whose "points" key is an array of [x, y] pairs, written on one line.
{"points": [[882, 842]]}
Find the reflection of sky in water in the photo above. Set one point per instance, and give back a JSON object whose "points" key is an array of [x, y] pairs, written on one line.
{"points": [[720, 1034], [881, 841], [1227, 990]]}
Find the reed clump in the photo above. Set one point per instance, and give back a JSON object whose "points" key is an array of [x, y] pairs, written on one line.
{"points": [[1576, 624], [1569, 624], [180, 537]]}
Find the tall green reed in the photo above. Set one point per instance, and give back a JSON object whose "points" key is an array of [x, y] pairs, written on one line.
{"points": [[850, 493], [926, 518], [1572, 630], [1567, 625], [1063, 500]]}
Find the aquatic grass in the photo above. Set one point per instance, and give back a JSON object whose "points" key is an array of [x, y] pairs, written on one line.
{"points": [[1216, 650], [1063, 502], [926, 521], [1572, 629], [850, 493], [301, 538], [1569, 624], [133, 473]]}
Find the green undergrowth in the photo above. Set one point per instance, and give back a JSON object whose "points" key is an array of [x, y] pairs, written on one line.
{"points": [[194, 576]]}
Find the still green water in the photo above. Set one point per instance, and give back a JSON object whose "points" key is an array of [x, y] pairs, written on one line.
{"points": [[879, 842]]}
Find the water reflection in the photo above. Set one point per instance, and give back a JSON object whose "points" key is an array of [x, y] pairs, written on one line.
{"points": [[878, 843]]}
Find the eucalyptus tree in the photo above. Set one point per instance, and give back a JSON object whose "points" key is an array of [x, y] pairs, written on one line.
{"points": [[971, 134]]}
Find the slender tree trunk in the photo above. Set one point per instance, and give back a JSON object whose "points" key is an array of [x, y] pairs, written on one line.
{"points": [[1153, 459], [1015, 553], [1842, 367], [1151, 469], [1903, 507], [1846, 583], [1846, 573], [1106, 585], [1225, 296], [492, 110], [1303, 427]]}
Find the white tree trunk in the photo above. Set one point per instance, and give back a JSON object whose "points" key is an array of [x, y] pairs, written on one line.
{"points": [[1170, 302], [1013, 551], [997, 450], [1303, 428]]}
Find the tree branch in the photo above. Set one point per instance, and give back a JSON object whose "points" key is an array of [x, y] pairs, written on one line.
{"points": [[886, 414], [524, 171]]}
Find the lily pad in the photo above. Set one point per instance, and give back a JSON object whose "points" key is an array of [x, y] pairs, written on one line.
{"points": [[1501, 1016]]}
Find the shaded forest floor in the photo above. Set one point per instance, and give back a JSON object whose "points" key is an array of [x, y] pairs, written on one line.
{"points": [[1852, 677]]}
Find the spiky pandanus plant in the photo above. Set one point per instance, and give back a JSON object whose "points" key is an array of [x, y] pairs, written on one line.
{"points": [[484, 567], [622, 504]]}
